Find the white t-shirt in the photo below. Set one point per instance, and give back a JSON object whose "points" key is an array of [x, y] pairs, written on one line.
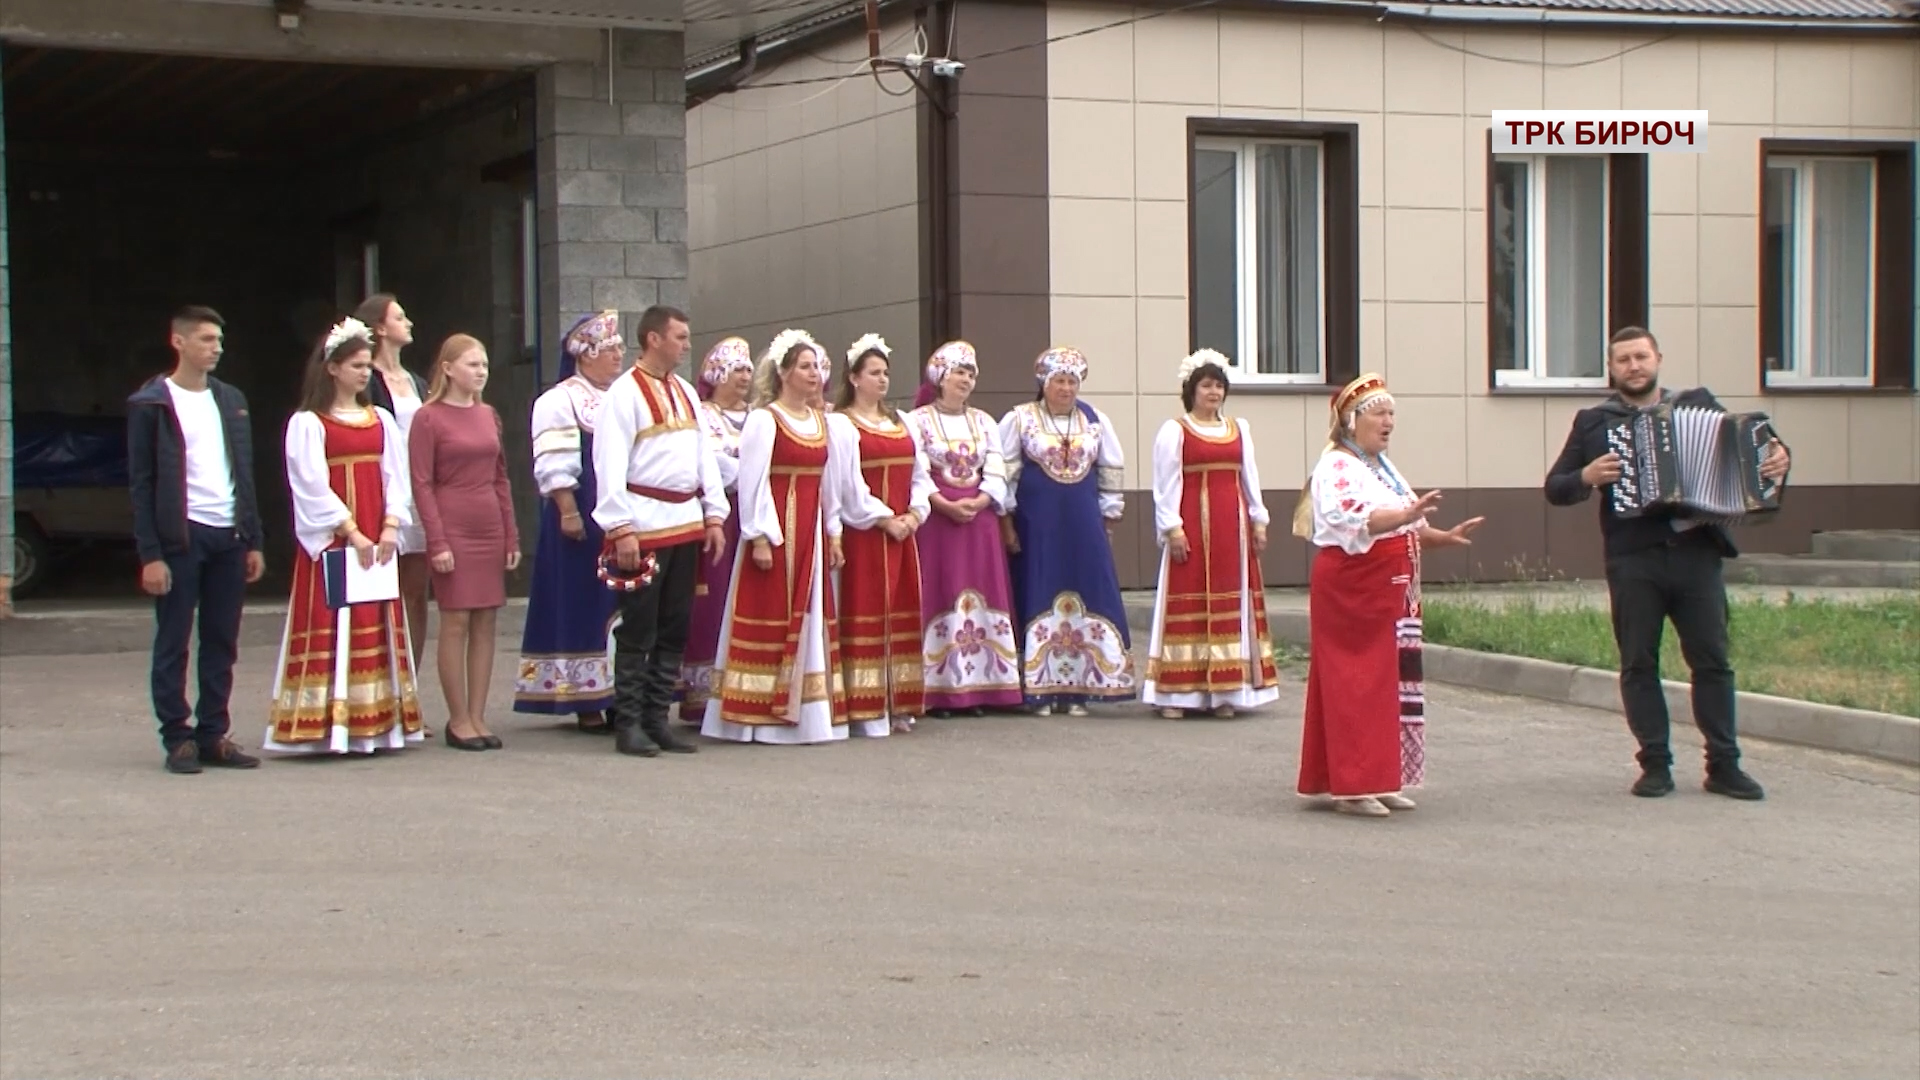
{"points": [[413, 538], [209, 477]]}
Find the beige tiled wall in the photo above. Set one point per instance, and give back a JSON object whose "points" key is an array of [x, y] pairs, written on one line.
{"points": [[1120, 99], [803, 206]]}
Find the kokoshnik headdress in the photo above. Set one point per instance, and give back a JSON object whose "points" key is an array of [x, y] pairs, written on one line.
{"points": [[1364, 394], [951, 357], [593, 333], [724, 359], [1060, 360]]}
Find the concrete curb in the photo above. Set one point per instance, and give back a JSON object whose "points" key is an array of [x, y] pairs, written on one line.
{"points": [[1762, 716], [1883, 736], [102, 631]]}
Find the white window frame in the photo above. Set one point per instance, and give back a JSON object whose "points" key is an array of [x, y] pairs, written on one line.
{"points": [[369, 267], [529, 274], [1801, 345], [1536, 289], [1247, 260]]}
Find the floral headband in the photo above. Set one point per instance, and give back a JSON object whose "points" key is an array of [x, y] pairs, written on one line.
{"points": [[723, 359], [1201, 359], [867, 344], [595, 332], [951, 357], [1060, 361], [785, 340], [344, 331]]}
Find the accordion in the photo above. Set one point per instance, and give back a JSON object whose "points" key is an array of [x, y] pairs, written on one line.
{"points": [[1695, 463]]}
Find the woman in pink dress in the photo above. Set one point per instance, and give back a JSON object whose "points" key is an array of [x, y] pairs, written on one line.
{"points": [[464, 502]]}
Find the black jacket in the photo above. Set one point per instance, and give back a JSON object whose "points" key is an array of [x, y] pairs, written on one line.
{"points": [[382, 397], [157, 468], [1588, 441]]}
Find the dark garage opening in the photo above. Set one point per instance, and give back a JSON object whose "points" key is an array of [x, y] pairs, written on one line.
{"points": [[278, 193]]}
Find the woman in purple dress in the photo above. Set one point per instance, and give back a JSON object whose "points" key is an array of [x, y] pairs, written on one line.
{"points": [[726, 380], [461, 491], [972, 659]]}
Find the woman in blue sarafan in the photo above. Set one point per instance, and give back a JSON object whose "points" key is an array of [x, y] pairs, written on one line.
{"points": [[1064, 471], [565, 667]]}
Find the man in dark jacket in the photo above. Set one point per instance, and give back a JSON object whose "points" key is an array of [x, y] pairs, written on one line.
{"points": [[1660, 566], [196, 524]]}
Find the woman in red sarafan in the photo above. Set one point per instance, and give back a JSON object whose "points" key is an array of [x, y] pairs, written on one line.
{"points": [[1209, 648], [885, 503], [345, 681], [777, 673], [1364, 738]]}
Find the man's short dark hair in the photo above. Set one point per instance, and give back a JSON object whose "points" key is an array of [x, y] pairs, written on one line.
{"points": [[657, 318], [193, 315], [1633, 333]]}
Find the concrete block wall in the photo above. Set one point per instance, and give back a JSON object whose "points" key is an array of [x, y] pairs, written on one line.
{"points": [[612, 184]]}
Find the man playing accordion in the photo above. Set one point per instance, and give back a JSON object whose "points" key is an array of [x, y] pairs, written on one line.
{"points": [[1661, 564]]}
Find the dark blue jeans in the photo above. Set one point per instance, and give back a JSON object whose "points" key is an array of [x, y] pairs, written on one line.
{"points": [[210, 579]]}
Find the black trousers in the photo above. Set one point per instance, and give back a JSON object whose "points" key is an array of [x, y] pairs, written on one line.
{"points": [[209, 579], [1681, 581], [652, 637]]}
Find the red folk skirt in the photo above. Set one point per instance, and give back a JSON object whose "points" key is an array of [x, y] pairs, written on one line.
{"points": [[371, 689], [883, 662], [1350, 744], [1202, 650], [769, 607]]}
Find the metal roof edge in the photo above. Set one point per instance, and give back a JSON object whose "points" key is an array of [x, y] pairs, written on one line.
{"points": [[784, 37], [711, 67]]}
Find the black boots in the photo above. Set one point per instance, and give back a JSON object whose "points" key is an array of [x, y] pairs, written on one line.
{"points": [[648, 733], [662, 674], [629, 738]]}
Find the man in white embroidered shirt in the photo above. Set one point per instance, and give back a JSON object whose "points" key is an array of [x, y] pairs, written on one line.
{"points": [[659, 491]]}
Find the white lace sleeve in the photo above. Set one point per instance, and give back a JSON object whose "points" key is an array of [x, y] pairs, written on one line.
{"points": [[1250, 478], [1111, 469], [1013, 455], [1168, 478], [758, 518], [317, 511], [993, 466], [556, 442]]}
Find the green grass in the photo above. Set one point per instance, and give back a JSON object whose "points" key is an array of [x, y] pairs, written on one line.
{"points": [[1861, 656]]}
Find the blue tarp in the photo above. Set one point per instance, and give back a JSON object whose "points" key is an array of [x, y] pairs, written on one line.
{"points": [[54, 451]]}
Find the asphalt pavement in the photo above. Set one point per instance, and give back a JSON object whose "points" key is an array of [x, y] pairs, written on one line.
{"points": [[1116, 896]]}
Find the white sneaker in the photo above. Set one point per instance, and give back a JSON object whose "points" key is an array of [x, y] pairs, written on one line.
{"points": [[1396, 802], [1368, 807], [1076, 710], [1044, 710]]}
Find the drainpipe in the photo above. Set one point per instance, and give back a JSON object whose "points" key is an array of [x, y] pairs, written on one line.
{"points": [[940, 233], [746, 63], [1477, 13]]}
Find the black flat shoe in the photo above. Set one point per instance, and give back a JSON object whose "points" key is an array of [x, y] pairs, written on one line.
{"points": [[493, 742], [459, 743]]}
